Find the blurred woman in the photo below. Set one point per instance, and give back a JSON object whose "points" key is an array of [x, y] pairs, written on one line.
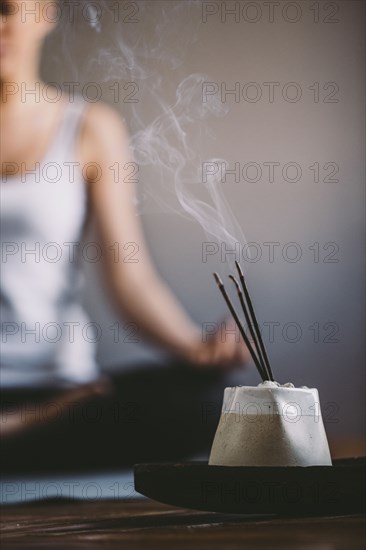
{"points": [[46, 200]]}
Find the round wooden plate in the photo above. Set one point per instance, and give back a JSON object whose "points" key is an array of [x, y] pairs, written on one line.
{"points": [[314, 490]]}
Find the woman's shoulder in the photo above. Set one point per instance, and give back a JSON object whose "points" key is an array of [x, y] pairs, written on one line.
{"points": [[102, 116], [102, 126]]}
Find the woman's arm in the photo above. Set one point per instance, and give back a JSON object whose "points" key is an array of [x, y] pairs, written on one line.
{"points": [[136, 289]]}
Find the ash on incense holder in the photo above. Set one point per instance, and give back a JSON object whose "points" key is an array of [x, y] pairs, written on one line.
{"points": [[271, 424]]}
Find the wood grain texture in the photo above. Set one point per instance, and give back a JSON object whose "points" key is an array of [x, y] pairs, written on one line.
{"points": [[148, 524]]}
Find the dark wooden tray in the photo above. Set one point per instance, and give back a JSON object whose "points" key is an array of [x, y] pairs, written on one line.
{"points": [[313, 490]]}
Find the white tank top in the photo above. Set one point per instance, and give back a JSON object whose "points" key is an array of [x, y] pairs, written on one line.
{"points": [[46, 336]]}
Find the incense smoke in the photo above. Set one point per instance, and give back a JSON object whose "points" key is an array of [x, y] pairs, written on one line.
{"points": [[170, 119]]}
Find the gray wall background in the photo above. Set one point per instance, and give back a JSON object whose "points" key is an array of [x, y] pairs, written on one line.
{"points": [[323, 294]]}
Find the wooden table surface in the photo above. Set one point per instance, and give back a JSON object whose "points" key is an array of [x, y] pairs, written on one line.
{"points": [[149, 524]]}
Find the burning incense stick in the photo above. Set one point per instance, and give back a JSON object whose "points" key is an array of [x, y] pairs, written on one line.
{"points": [[254, 319], [250, 326], [240, 327]]}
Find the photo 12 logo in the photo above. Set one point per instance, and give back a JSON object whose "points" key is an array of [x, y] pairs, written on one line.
{"points": [[270, 12], [270, 92], [92, 12], [271, 252]]}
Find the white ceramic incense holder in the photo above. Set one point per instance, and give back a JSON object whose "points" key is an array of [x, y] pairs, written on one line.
{"points": [[270, 425]]}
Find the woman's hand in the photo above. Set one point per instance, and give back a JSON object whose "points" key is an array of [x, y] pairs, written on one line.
{"points": [[225, 348], [17, 423]]}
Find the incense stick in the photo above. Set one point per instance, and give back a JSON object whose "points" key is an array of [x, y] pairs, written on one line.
{"points": [[220, 284], [250, 326], [255, 323]]}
